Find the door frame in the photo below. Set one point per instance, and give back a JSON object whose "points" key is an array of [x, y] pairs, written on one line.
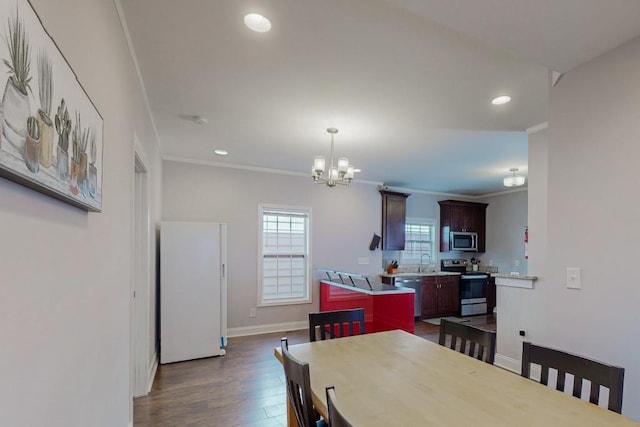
{"points": [[143, 364]]}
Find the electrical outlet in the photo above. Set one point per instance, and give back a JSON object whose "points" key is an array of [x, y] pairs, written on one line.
{"points": [[363, 260], [573, 278], [252, 312], [516, 263]]}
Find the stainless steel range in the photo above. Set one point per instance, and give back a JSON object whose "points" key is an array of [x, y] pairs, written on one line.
{"points": [[473, 287]]}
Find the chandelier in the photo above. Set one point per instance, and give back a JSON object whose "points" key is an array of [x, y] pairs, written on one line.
{"points": [[342, 173], [513, 180]]}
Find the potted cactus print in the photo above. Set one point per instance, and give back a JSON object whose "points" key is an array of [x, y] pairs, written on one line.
{"points": [[32, 145], [93, 170], [63, 128], [76, 137], [45, 90], [43, 145], [83, 183], [15, 99]]}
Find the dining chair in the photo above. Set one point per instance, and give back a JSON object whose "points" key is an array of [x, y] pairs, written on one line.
{"points": [[482, 344], [335, 322], [298, 380], [336, 419], [598, 373]]}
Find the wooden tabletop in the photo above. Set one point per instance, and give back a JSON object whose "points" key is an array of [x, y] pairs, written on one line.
{"points": [[398, 379]]}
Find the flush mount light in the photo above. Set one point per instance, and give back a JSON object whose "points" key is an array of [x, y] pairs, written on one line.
{"points": [[513, 180], [257, 23], [221, 152], [501, 100]]}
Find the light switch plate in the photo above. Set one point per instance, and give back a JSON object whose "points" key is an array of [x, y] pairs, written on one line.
{"points": [[573, 278], [363, 260]]}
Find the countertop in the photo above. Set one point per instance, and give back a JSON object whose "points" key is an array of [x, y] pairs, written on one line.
{"points": [[514, 276], [426, 273], [376, 288]]}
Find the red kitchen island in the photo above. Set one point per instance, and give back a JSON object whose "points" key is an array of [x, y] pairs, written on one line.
{"points": [[386, 307]]}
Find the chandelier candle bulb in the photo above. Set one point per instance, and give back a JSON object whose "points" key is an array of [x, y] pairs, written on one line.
{"points": [[318, 165], [343, 165], [350, 173], [333, 173]]}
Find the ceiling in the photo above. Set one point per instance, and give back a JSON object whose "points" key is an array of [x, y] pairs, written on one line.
{"points": [[408, 83]]}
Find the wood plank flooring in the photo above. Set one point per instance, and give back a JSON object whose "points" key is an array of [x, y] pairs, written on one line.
{"points": [[244, 388]]}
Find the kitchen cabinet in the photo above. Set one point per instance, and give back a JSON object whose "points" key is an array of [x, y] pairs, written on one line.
{"points": [[440, 296], [456, 215], [394, 217]]}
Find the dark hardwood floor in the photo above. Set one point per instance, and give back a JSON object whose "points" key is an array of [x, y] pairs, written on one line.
{"points": [[244, 388]]}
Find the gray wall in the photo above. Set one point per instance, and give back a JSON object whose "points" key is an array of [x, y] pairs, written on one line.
{"points": [[343, 223], [506, 221], [66, 274], [593, 209]]}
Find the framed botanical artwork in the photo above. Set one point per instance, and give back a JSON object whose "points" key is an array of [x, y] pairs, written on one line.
{"points": [[51, 134]]}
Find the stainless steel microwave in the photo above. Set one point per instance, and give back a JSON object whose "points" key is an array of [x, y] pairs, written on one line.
{"points": [[463, 241]]}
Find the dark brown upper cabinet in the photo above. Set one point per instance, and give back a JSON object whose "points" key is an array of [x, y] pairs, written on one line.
{"points": [[456, 215], [394, 217]]}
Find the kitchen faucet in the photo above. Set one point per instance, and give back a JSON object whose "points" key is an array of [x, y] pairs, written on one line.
{"points": [[421, 268]]}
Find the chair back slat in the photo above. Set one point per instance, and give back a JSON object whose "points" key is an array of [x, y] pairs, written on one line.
{"points": [[598, 373], [485, 341], [334, 323], [577, 386], [336, 418], [544, 377], [560, 381], [594, 396], [298, 382]]}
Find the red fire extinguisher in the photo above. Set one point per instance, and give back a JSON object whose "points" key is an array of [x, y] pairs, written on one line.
{"points": [[526, 243]]}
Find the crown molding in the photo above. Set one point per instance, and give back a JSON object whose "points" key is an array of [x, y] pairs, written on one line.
{"points": [[250, 168], [179, 159], [136, 66], [537, 128]]}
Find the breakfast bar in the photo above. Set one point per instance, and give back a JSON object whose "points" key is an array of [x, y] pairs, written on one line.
{"points": [[386, 307]]}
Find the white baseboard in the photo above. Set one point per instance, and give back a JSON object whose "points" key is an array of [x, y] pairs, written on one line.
{"points": [[243, 331], [515, 366], [152, 372], [508, 363]]}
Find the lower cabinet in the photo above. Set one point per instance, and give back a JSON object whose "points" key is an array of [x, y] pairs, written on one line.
{"points": [[440, 296]]}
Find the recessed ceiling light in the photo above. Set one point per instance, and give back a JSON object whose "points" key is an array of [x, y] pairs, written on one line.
{"points": [[257, 23], [501, 100], [221, 152]]}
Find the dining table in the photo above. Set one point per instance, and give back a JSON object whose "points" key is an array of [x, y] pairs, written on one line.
{"points": [[395, 378]]}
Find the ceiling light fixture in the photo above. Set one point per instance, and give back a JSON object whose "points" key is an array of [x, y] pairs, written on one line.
{"points": [[257, 23], [221, 152], [500, 100], [199, 120], [341, 174], [513, 180]]}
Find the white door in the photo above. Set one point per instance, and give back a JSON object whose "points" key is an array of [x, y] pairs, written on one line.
{"points": [[190, 290]]}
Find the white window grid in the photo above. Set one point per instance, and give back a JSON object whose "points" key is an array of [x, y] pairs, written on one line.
{"points": [[419, 242], [285, 256]]}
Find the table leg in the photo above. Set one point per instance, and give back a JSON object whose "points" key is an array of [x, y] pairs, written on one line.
{"points": [[291, 415]]}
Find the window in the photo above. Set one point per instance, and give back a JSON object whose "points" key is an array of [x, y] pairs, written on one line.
{"points": [[420, 245], [284, 255]]}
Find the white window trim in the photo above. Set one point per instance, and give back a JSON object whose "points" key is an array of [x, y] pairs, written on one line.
{"points": [[304, 209], [436, 235]]}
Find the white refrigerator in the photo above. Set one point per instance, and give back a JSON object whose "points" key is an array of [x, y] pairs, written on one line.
{"points": [[193, 290]]}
